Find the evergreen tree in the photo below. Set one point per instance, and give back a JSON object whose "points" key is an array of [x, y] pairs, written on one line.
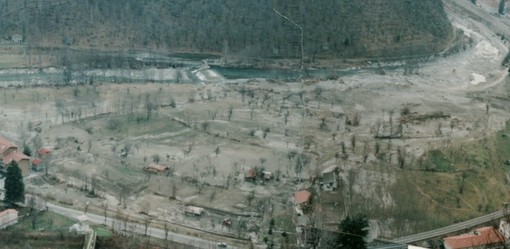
{"points": [[501, 7], [14, 186], [353, 231]]}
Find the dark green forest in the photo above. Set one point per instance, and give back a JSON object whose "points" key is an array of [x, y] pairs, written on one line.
{"points": [[333, 29]]}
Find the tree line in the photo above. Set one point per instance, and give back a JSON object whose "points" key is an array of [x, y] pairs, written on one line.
{"points": [[332, 29]]}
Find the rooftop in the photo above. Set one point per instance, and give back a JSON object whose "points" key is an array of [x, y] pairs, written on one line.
{"points": [[44, 151], [5, 144], [15, 156], [157, 167], [8, 211], [302, 196], [479, 237]]}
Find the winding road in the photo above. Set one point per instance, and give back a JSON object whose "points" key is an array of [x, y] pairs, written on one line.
{"points": [[137, 228]]}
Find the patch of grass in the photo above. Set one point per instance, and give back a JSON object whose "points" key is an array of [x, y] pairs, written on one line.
{"points": [[156, 125], [503, 142], [102, 231], [284, 223], [47, 221], [437, 161]]}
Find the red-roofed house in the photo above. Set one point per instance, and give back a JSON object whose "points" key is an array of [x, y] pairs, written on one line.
{"points": [[9, 152], [302, 197], [43, 157], [43, 152], [8, 217], [36, 164], [485, 237], [6, 147]]}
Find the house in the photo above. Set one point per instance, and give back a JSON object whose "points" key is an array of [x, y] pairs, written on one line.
{"points": [[302, 196], [194, 211], [267, 175], [6, 147], [16, 38], [155, 168], [328, 181], [8, 217], [21, 159], [250, 174], [43, 152], [37, 164], [43, 156], [484, 237], [9, 152]]}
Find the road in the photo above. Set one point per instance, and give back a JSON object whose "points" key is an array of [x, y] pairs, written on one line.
{"points": [[450, 229], [137, 228]]}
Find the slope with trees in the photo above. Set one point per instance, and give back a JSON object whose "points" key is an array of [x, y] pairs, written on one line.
{"points": [[236, 29]]}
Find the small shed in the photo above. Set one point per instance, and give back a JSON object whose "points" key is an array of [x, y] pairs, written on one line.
{"points": [[155, 168], [82, 227], [44, 152], [16, 38], [194, 211], [37, 164], [250, 174], [267, 175]]}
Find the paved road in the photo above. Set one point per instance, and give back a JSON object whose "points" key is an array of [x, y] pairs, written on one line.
{"points": [[137, 228], [449, 229]]}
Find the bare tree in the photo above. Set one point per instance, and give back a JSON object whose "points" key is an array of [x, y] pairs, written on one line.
{"points": [[105, 210], [166, 228], [156, 158], [34, 212], [205, 126], [250, 197], [230, 112], [146, 222], [149, 106], [213, 114]]}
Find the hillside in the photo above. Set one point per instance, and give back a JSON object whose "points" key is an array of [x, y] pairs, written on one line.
{"points": [[236, 29]]}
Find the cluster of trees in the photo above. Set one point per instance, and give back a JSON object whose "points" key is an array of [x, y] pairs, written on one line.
{"points": [[14, 186], [335, 29]]}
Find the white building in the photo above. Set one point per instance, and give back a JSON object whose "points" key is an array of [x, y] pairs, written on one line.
{"points": [[16, 38], [82, 227], [8, 217]]}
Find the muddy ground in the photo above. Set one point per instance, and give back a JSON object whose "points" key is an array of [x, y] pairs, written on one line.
{"points": [[211, 133]]}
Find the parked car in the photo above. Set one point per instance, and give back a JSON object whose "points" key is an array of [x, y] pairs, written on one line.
{"points": [[222, 245]]}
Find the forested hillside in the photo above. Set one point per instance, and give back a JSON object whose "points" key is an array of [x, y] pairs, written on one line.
{"points": [[332, 29]]}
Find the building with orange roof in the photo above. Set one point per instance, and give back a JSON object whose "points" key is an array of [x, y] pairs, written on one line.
{"points": [[43, 152], [484, 237], [302, 196], [6, 147], [9, 152]]}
